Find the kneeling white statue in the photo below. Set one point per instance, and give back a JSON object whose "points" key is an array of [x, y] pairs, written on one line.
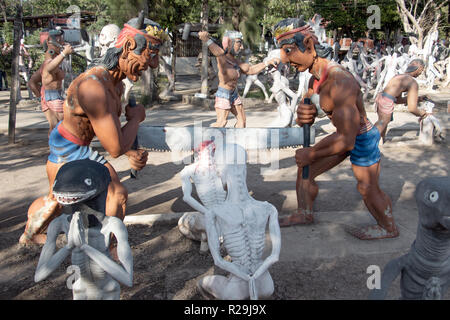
{"points": [[83, 185], [241, 222], [209, 188]]}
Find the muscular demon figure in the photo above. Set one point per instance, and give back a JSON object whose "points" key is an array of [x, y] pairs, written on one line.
{"points": [[46, 82], [392, 94], [92, 108], [227, 96], [338, 94]]}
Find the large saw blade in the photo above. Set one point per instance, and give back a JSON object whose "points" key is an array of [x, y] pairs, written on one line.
{"points": [[160, 138]]}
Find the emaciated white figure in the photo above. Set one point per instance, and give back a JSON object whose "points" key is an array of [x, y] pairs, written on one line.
{"points": [[210, 190], [280, 89], [242, 221], [83, 185], [253, 79]]}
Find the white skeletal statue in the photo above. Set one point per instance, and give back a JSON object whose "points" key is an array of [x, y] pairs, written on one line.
{"points": [[107, 39], [303, 82], [98, 275], [389, 70], [253, 79], [431, 72], [430, 127], [203, 175], [241, 222], [280, 89]]}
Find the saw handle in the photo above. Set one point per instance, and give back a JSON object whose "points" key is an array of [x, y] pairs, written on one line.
{"points": [[306, 141], [132, 104]]}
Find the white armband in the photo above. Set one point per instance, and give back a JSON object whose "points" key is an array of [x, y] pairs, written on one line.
{"points": [[209, 42]]}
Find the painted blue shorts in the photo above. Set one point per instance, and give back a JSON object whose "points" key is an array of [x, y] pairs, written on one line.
{"points": [[63, 150], [51, 95], [366, 152], [225, 99]]}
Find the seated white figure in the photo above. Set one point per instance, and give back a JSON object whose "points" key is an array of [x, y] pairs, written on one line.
{"points": [[241, 222], [203, 174]]}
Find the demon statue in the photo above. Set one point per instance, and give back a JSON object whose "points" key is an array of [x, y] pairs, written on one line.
{"points": [[93, 108]]}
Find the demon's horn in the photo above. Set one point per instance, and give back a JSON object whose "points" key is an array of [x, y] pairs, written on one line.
{"points": [[140, 21]]}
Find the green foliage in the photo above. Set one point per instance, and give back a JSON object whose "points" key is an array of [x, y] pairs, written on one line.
{"points": [[350, 17], [7, 32], [36, 53]]}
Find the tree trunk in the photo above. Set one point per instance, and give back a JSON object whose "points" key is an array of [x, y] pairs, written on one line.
{"points": [[205, 55], [3, 6], [15, 81], [174, 60]]}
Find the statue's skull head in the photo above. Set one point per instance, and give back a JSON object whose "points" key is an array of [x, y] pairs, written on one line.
{"points": [[108, 37]]}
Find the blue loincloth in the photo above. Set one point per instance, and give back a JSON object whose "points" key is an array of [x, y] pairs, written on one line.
{"points": [[366, 152]]}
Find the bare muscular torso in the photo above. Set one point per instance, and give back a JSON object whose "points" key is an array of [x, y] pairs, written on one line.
{"points": [[229, 71], [399, 84], [52, 80], [338, 75], [75, 118]]}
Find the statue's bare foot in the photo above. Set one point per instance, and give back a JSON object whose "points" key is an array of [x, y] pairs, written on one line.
{"points": [[205, 294], [239, 125], [296, 218], [371, 232], [36, 239], [113, 248]]}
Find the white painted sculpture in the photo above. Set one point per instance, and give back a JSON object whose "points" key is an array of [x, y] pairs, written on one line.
{"points": [[432, 73], [253, 79], [303, 82], [203, 174], [242, 222], [430, 127], [107, 39], [82, 185], [280, 90], [24, 69]]}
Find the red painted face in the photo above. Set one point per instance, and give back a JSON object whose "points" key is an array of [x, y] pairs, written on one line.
{"points": [[133, 64]]}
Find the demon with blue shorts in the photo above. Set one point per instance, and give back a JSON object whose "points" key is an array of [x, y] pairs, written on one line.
{"points": [[336, 92], [92, 108]]}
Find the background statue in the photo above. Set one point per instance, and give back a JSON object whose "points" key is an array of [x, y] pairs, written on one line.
{"points": [[280, 89]]}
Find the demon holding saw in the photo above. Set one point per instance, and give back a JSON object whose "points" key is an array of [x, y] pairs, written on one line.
{"points": [[92, 108]]}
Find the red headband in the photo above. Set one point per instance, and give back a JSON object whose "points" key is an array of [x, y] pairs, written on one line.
{"points": [[131, 31], [304, 30]]}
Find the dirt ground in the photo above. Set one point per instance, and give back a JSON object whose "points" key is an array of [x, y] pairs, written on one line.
{"points": [[166, 264]]}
